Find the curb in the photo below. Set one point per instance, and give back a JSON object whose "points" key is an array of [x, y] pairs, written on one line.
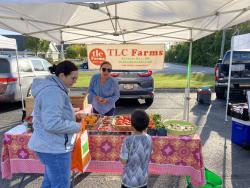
{"points": [[172, 90]]}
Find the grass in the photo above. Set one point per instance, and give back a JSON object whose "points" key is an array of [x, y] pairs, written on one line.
{"points": [[84, 79], [197, 80], [162, 80]]}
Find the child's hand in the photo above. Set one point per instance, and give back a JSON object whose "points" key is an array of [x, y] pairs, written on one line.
{"points": [[123, 161]]}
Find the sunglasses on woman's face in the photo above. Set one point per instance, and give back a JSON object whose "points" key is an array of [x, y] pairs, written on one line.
{"points": [[106, 70]]}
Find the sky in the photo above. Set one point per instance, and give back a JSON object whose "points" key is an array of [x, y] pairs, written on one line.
{"points": [[6, 32]]}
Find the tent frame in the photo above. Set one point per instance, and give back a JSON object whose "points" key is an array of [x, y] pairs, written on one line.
{"points": [[96, 6]]}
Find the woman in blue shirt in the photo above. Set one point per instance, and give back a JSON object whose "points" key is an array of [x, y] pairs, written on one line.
{"points": [[103, 91]]}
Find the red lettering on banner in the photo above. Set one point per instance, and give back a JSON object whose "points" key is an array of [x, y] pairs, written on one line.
{"points": [[116, 52], [146, 53], [97, 56], [134, 52], [125, 52]]}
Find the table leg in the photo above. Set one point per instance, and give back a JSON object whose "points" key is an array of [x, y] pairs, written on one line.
{"points": [[73, 179], [19, 185]]}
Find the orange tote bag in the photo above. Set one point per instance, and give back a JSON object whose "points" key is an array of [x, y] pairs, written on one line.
{"points": [[81, 155]]}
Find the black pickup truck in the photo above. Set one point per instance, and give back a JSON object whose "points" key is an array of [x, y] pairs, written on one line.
{"points": [[240, 75]]}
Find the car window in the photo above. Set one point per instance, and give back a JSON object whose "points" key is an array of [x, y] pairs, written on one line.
{"points": [[24, 66], [46, 64], [239, 56], [37, 64], [227, 58], [4, 66]]}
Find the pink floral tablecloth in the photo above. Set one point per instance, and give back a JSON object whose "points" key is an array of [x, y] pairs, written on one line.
{"points": [[171, 155]]}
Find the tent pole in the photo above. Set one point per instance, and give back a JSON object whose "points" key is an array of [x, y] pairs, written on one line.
{"points": [[19, 81], [116, 18], [229, 75], [187, 90], [223, 43], [62, 50]]}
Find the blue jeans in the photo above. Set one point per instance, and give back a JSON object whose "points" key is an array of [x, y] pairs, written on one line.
{"points": [[57, 169]]}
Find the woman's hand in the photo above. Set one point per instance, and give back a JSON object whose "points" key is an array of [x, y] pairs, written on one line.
{"points": [[78, 117], [101, 100], [104, 101]]}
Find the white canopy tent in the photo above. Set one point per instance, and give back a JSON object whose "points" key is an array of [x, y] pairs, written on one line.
{"points": [[8, 43], [112, 21], [119, 21]]}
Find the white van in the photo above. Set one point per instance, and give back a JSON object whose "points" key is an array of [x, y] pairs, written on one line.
{"points": [[29, 67]]}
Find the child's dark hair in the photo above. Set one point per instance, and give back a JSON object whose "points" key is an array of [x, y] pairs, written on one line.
{"points": [[65, 67], [105, 63], [139, 120]]}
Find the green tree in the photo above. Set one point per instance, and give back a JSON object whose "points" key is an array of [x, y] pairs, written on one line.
{"points": [[37, 45], [206, 51], [76, 51]]}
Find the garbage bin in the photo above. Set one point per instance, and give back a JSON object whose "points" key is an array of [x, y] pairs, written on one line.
{"points": [[204, 95]]}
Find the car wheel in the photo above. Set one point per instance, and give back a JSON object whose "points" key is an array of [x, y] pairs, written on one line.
{"points": [[220, 92], [149, 101]]}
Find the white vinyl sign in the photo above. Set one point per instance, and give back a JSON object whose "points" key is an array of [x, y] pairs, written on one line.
{"points": [[127, 56]]}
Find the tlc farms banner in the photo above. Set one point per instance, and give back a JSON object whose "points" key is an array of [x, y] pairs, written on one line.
{"points": [[127, 56]]}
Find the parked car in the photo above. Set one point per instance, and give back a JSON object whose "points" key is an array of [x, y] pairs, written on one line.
{"points": [[84, 65], [240, 75], [135, 84], [29, 67]]}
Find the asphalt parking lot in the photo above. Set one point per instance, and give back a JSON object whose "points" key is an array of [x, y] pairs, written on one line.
{"points": [[221, 156]]}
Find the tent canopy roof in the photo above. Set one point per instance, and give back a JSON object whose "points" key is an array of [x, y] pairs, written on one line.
{"points": [[7, 43], [79, 21]]}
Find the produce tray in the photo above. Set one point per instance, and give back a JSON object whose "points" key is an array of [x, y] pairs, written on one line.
{"points": [[180, 128], [91, 124], [122, 127], [105, 124]]}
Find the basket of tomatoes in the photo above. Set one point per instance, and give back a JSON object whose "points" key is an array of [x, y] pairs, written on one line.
{"points": [[122, 122]]}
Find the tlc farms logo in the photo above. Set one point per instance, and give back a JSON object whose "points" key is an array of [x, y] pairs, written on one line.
{"points": [[97, 56]]}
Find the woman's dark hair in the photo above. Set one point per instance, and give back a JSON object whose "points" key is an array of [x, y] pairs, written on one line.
{"points": [[139, 120], [105, 63], [65, 67]]}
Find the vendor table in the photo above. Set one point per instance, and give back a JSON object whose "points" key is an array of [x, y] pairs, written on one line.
{"points": [[171, 155]]}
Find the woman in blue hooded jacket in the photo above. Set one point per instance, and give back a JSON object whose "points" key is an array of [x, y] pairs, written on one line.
{"points": [[54, 124]]}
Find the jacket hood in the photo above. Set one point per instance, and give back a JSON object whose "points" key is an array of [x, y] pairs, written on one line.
{"points": [[41, 83]]}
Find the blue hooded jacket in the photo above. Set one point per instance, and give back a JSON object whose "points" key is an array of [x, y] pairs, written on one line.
{"points": [[53, 117]]}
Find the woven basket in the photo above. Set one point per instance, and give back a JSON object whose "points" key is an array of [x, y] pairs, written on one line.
{"points": [[78, 101], [123, 128], [29, 103]]}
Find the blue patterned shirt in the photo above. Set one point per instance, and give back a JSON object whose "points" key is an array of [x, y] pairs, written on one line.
{"points": [[136, 150]]}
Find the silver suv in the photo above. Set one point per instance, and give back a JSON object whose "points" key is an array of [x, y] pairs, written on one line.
{"points": [[135, 84], [30, 67]]}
